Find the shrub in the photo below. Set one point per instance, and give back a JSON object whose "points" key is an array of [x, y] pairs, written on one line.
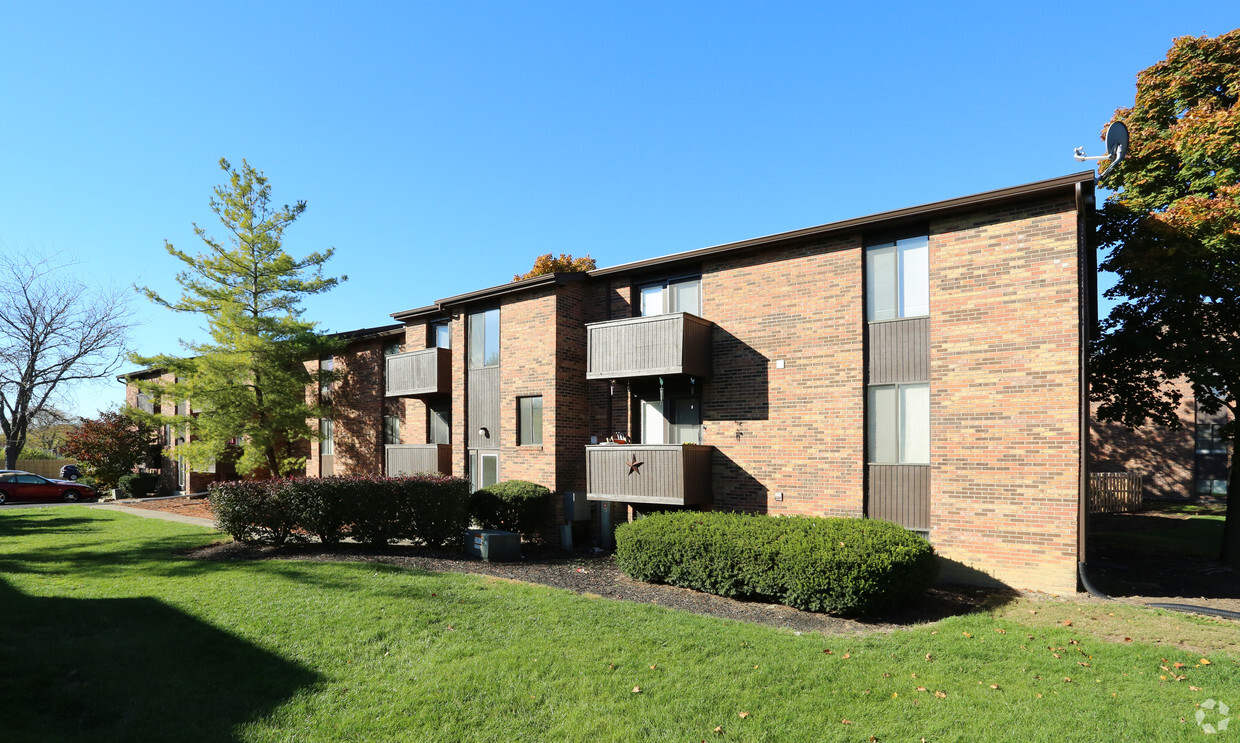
{"points": [[138, 484], [253, 510], [429, 509], [843, 566], [513, 505]]}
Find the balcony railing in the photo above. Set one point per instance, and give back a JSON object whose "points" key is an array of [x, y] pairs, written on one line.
{"points": [[667, 474], [425, 372], [409, 459], [678, 343]]}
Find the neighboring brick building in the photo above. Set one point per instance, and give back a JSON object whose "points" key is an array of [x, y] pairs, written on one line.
{"points": [[924, 365], [1177, 464]]}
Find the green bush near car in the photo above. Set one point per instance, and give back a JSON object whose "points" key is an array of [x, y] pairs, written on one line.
{"points": [[842, 566], [138, 484]]}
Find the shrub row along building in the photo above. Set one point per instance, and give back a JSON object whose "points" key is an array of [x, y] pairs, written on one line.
{"points": [[924, 365]]}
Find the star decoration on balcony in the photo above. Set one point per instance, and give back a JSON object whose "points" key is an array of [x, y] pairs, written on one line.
{"points": [[634, 465]]}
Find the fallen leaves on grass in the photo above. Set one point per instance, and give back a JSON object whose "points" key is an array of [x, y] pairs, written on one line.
{"points": [[742, 715], [637, 690]]}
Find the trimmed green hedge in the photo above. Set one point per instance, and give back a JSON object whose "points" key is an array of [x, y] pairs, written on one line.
{"points": [[429, 509], [138, 485], [843, 566], [513, 505]]}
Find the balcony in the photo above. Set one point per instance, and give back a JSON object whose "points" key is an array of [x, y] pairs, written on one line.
{"points": [[425, 372], [409, 459], [678, 343], [665, 474]]}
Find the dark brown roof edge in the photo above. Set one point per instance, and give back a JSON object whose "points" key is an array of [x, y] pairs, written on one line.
{"points": [[352, 335], [492, 291], [417, 312], [936, 208]]}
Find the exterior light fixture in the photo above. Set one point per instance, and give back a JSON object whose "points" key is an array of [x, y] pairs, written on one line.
{"points": [[484, 433]]}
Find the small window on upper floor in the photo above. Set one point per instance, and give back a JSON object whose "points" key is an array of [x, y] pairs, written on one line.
{"points": [[440, 335], [673, 295], [530, 421], [897, 282], [392, 348]]}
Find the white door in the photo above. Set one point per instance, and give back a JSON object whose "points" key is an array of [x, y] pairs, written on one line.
{"points": [[652, 423]]}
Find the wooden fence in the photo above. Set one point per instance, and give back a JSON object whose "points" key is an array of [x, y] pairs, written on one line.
{"points": [[45, 467], [1115, 492]]}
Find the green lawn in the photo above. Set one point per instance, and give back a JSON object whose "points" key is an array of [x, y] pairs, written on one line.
{"points": [[109, 636]]}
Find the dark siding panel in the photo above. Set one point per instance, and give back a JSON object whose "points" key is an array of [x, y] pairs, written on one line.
{"points": [[482, 407], [900, 351], [900, 493]]}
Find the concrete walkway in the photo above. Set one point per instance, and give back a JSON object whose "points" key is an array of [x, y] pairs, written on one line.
{"points": [[165, 515]]}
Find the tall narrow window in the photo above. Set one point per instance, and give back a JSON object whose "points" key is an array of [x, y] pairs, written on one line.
{"points": [[898, 279], [899, 424], [391, 429], [484, 339], [327, 444], [326, 364], [530, 420], [439, 430]]}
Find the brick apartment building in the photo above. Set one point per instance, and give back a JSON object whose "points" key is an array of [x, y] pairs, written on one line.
{"points": [[924, 365]]}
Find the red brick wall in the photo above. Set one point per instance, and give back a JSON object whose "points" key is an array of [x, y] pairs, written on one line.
{"points": [[1004, 390], [357, 411], [528, 332], [797, 430]]}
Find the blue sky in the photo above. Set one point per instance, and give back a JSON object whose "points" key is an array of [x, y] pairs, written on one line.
{"points": [[441, 146]]}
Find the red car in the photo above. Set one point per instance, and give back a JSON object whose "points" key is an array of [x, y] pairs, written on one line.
{"points": [[16, 485]]}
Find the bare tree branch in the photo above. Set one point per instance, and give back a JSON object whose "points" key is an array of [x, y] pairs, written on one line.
{"points": [[55, 330]]}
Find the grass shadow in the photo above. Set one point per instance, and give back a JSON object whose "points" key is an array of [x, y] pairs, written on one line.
{"points": [[132, 669], [1153, 555]]}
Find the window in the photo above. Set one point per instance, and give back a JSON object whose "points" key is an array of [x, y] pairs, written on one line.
{"points": [[391, 429], [1210, 440], [683, 424], [484, 470], [529, 421], [674, 295], [327, 444], [898, 430], [1212, 487], [439, 429], [392, 348], [441, 335], [898, 279], [327, 364], [484, 339]]}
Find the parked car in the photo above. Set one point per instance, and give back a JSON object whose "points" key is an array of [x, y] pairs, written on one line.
{"points": [[16, 485], [70, 472]]}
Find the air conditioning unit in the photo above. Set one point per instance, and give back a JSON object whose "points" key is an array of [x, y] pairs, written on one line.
{"points": [[576, 507]]}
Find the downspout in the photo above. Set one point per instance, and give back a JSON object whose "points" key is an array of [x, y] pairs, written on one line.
{"points": [[1087, 319]]}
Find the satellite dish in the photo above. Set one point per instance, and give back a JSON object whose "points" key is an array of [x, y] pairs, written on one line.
{"points": [[1117, 146]]}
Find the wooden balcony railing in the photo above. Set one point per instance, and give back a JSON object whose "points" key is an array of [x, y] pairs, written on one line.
{"points": [[678, 343], [425, 372], [667, 474], [409, 459]]}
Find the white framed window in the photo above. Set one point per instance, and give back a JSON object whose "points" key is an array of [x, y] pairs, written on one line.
{"points": [[327, 444], [391, 429], [898, 279], [673, 295], [484, 339], [441, 335], [439, 431], [530, 421], [898, 424], [485, 470]]}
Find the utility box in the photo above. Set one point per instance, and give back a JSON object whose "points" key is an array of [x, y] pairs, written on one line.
{"points": [[493, 545], [576, 506]]}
